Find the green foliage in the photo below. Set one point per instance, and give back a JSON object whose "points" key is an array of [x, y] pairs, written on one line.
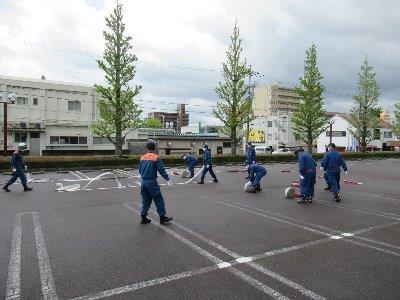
{"points": [[151, 122], [118, 113], [234, 109], [309, 118], [364, 115], [396, 127]]}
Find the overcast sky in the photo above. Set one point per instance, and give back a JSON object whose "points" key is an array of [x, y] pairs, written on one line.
{"points": [[180, 44]]}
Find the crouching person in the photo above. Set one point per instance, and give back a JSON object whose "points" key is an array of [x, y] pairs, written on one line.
{"points": [[191, 162], [257, 172], [149, 165], [18, 168], [307, 169]]}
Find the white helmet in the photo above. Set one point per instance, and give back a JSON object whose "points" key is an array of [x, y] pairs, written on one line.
{"points": [[22, 146]]}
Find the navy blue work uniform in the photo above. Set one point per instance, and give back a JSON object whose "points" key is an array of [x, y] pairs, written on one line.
{"points": [[333, 161], [191, 162], [250, 157], [149, 165], [256, 173], [308, 171], [207, 165], [17, 163], [325, 174]]}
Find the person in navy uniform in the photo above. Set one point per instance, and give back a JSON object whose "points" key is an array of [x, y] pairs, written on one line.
{"points": [[207, 165], [250, 157], [332, 164], [149, 165], [18, 167], [191, 162], [307, 170], [328, 185], [257, 172]]}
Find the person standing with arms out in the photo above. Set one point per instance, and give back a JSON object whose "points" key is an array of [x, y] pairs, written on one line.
{"points": [[307, 169], [257, 172], [207, 165], [332, 164], [18, 167], [191, 162], [250, 157], [149, 165]]}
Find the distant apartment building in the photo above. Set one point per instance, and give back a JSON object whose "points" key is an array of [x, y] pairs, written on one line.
{"points": [[51, 115], [173, 120], [274, 99]]}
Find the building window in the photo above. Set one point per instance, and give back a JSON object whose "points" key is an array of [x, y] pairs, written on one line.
{"points": [[269, 123], [22, 125], [22, 101], [226, 144], [35, 101], [269, 137], [68, 140], [54, 140], [74, 105], [100, 141], [20, 137], [336, 133], [388, 134], [34, 135], [377, 134]]}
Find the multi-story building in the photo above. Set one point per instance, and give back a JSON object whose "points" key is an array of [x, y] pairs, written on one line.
{"points": [[273, 99], [173, 120], [51, 115]]}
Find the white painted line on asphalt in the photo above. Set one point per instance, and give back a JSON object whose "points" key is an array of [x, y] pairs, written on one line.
{"points": [[252, 281], [76, 175], [82, 175], [242, 260], [347, 234], [252, 264], [267, 215], [335, 237], [374, 196], [224, 265], [13, 287], [46, 275]]}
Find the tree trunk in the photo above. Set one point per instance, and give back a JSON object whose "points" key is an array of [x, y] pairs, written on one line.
{"points": [[118, 145], [233, 142], [309, 142]]}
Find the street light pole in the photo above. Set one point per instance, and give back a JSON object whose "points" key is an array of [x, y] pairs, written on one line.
{"points": [[5, 130]]}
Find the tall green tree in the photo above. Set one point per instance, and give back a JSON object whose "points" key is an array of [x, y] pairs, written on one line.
{"points": [[396, 127], [234, 109], [364, 114], [118, 112], [151, 122], [309, 119]]}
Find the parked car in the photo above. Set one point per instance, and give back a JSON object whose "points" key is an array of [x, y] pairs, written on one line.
{"points": [[262, 150], [282, 151]]}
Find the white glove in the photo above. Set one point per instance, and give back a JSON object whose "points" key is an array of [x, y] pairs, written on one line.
{"points": [[25, 167], [254, 162], [208, 166], [345, 172], [169, 183], [14, 170], [322, 168], [301, 177]]}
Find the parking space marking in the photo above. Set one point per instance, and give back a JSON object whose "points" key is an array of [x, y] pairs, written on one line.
{"points": [[250, 280], [264, 270], [46, 275], [13, 288], [82, 175], [76, 175], [269, 215], [374, 196]]}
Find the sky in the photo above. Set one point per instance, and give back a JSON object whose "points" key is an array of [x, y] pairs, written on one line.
{"points": [[181, 44]]}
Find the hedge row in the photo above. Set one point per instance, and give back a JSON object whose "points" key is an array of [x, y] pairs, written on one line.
{"points": [[85, 162]]}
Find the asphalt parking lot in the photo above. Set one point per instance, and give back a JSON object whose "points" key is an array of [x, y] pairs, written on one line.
{"points": [[88, 243]]}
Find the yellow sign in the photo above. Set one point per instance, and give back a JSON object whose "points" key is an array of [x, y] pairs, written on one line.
{"points": [[257, 136]]}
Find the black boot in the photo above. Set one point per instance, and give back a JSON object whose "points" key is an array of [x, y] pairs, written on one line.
{"points": [[165, 219], [309, 199], [145, 220], [301, 200], [27, 189], [258, 188], [337, 197], [328, 188], [215, 180], [201, 181], [6, 189]]}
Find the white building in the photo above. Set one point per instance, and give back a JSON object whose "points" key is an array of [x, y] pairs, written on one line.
{"points": [[345, 141], [273, 131], [50, 115]]}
